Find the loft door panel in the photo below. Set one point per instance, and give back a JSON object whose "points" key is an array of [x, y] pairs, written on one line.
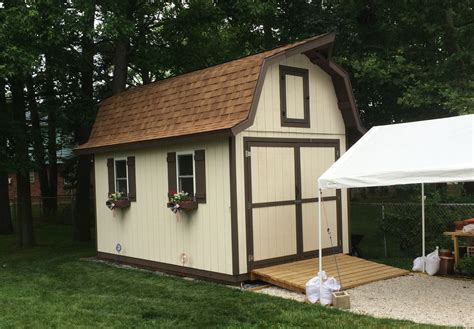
{"points": [[314, 162], [272, 175]]}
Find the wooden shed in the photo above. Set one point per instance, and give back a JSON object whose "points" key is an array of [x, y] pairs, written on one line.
{"points": [[248, 140]]}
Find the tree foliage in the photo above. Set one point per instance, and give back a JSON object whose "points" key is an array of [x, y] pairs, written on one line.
{"points": [[407, 60]]}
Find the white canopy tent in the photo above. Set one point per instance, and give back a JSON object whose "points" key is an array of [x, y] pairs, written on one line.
{"points": [[432, 151]]}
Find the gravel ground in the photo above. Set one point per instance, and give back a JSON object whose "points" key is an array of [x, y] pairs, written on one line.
{"points": [[419, 298]]}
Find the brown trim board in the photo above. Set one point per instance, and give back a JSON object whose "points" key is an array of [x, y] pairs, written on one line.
{"points": [[175, 269], [290, 202], [95, 203], [223, 133], [233, 207], [298, 205]]}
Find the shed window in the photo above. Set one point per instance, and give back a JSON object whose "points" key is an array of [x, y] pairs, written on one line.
{"points": [[121, 177], [294, 97], [185, 175]]}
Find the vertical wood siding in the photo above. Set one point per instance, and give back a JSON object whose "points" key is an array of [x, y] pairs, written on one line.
{"points": [[148, 230], [326, 122]]}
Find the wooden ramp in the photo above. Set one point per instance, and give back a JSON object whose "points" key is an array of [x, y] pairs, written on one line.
{"points": [[354, 272]]}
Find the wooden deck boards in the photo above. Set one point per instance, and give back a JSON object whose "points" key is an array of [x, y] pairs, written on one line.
{"points": [[353, 272]]}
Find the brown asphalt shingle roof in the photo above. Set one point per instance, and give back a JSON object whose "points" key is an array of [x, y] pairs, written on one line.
{"points": [[211, 99]]}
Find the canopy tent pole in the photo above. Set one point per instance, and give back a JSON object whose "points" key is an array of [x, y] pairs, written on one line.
{"points": [[320, 235], [423, 251]]}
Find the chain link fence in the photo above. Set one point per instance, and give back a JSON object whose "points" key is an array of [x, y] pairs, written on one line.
{"points": [[393, 230]]}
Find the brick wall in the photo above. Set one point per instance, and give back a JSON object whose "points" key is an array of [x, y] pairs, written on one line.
{"points": [[35, 185]]}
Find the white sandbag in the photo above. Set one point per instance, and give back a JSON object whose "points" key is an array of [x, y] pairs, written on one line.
{"points": [[468, 228], [418, 264], [327, 288], [432, 262], [312, 287], [312, 290]]}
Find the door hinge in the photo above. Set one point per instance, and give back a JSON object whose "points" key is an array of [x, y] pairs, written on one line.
{"points": [[338, 154], [250, 258], [249, 205], [248, 154]]}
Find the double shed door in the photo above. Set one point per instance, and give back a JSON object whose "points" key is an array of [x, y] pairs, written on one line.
{"points": [[281, 199]]}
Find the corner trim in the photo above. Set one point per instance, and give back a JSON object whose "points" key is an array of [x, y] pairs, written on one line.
{"points": [[233, 207]]}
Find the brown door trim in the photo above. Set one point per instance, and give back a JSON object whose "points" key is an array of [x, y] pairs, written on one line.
{"points": [[296, 143], [288, 202], [299, 206]]}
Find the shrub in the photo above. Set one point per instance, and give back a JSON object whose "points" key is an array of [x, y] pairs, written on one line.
{"points": [[466, 265]]}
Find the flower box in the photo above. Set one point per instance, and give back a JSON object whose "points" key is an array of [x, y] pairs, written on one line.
{"points": [[118, 204], [181, 201], [183, 205]]}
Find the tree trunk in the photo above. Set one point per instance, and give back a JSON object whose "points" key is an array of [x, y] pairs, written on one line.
{"points": [[451, 40], [120, 66], [122, 48], [83, 202], [22, 164], [6, 226], [51, 104], [38, 145]]}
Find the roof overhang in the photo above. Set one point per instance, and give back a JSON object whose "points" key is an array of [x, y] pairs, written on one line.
{"points": [[224, 133]]}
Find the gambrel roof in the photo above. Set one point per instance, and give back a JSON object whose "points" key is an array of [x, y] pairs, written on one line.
{"points": [[219, 99]]}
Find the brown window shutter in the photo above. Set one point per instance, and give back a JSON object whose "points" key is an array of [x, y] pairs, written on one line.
{"points": [[200, 170], [171, 159], [132, 185], [110, 171]]}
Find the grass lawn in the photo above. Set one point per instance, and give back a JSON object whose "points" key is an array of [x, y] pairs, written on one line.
{"points": [[50, 286]]}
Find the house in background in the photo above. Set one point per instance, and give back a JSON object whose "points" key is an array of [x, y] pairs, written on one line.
{"points": [[63, 185], [248, 139]]}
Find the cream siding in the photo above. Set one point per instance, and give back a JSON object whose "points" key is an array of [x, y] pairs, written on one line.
{"points": [[149, 230], [326, 122]]}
